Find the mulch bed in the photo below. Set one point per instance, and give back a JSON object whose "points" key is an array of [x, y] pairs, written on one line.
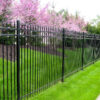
{"points": [[10, 52]]}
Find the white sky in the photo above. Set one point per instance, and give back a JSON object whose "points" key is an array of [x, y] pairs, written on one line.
{"points": [[88, 9]]}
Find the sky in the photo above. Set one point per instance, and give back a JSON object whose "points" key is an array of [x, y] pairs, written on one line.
{"points": [[88, 9]]}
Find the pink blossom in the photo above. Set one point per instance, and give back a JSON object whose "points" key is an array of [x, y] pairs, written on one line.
{"points": [[4, 4], [29, 11]]}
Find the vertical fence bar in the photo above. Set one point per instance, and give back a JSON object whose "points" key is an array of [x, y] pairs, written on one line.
{"points": [[93, 47], [27, 27], [3, 67], [24, 59], [83, 51], [18, 60], [14, 67], [63, 40]]}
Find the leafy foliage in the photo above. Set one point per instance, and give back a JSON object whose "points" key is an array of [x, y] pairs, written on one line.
{"points": [[93, 29], [94, 26]]}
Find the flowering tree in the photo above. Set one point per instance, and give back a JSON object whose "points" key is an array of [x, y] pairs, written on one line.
{"points": [[4, 7], [75, 24], [70, 22], [54, 19], [28, 11]]}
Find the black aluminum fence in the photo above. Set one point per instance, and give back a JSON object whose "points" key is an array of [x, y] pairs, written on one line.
{"points": [[32, 58]]}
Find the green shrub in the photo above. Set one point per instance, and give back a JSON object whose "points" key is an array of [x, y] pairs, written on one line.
{"points": [[7, 40]]}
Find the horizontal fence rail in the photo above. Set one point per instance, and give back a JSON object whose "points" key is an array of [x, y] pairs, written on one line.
{"points": [[32, 58]]}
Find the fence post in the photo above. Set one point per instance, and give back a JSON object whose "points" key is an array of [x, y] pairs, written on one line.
{"points": [[18, 59], [93, 47], [63, 42], [83, 52]]}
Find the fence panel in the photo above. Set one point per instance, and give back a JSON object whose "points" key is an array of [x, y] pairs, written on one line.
{"points": [[96, 49], [8, 64], [40, 58], [32, 58], [88, 51], [73, 53]]}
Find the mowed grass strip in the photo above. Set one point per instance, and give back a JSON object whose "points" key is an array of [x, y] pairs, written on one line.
{"points": [[84, 85]]}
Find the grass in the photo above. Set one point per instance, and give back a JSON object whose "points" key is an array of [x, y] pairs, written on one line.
{"points": [[84, 85], [36, 70]]}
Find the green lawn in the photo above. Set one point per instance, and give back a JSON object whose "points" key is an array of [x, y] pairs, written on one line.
{"points": [[84, 85]]}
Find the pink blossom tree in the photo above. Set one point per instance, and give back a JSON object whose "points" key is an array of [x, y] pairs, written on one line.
{"points": [[55, 19], [69, 22], [4, 7], [75, 24], [28, 11]]}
